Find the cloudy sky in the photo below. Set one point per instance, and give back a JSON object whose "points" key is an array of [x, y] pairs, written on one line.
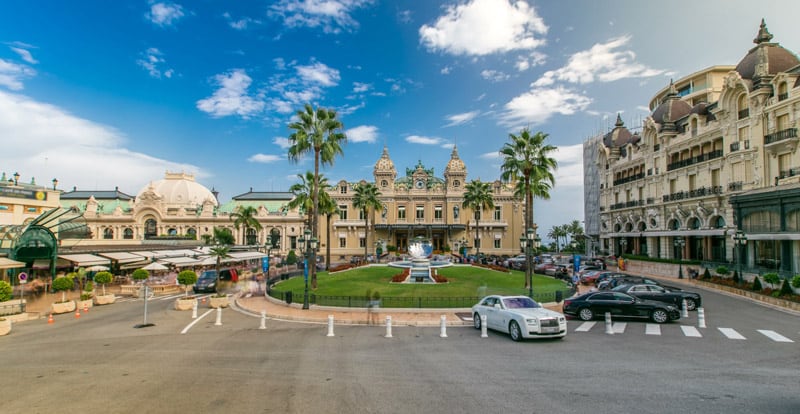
{"points": [[106, 94]]}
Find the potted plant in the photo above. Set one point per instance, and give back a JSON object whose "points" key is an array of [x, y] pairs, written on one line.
{"points": [[104, 278], [63, 284], [140, 275], [86, 296], [186, 278], [5, 326], [220, 299]]}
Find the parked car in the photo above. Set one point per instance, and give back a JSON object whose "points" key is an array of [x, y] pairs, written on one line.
{"points": [[606, 275], [589, 277], [224, 274], [206, 283], [558, 272], [595, 304], [662, 294], [633, 279], [520, 317]]}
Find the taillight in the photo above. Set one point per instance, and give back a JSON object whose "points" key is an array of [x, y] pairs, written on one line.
{"points": [[567, 302]]}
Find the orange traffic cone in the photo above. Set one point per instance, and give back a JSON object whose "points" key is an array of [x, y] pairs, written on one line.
{"points": [[85, 308], [204, 299], [50, 319], [77, 313]]}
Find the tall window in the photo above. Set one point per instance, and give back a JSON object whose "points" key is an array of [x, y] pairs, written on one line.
{"points": [[401, 212], [293, 242], [362, 242], [343, 212], [437, 212], [497, 243], [498, 213], [362, 215], [420, 212], [692, 182], [784, 164], [127, 234], [150, 229], [108, 233], [343, 189], [342, 242]]}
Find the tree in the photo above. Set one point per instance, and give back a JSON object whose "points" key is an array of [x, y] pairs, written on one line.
{"points": [[187, 278], [140, 274], [303, 199], [478, 197], [63, 284], [527, 161], [223, 236], [219, 252], [103, 278], [366, 199], [576, 234], [318, 132], [328, 207], [772, 278], [245, 217], [556, 233]]}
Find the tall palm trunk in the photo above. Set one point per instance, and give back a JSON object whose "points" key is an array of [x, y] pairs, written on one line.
{"points": [[315, 219], [528, 225], [328, 242], [478, 244]]}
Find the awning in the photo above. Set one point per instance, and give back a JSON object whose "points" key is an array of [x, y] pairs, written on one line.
{"points": [[135, 265], [174, 253], [246, 255], [6, 263], [85, 259], [181, 261], [45, 264], [122, 257]]}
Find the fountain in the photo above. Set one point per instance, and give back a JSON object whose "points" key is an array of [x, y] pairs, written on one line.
{"points": [[420, 264]]}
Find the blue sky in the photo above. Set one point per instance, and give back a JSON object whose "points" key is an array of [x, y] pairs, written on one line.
{"points": [[107, 94]]}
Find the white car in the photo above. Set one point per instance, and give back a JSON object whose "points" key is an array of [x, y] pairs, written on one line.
{"points": [[520, 317]]}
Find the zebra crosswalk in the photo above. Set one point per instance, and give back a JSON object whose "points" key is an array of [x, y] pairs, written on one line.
{"points": [[686, 330], [156, 298]]}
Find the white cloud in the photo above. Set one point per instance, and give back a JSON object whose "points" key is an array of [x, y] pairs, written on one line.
{"points": [[232, 97], [265, 158], [483, 27], [50, 142], [570, 166], [164, 13], [491, 156], [461, 118], [240, 24], [12, 74], [319, 73], [494, 75], [404, 16], [416, 139], [446, 70], [359, 87], [152, 60], [537, 105], [332, 16], [362, 133], [282, 142], [25, 55], [526, 62], [600, 63]]}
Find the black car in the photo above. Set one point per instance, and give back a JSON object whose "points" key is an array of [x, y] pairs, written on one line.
{"points": [[662, 294], [595, 304], [637, 280], [206, 283]]}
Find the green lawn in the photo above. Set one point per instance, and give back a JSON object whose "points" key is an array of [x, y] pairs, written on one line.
{"points": [[465, 284]]}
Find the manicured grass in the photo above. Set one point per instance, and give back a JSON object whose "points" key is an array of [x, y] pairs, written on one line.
{"points": [[466, 282]]}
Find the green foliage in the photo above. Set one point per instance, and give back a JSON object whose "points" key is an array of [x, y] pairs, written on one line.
{"points": [[291, 258], [757, 284], [796, 281], [140, 274], [103, 278], [62, 283], [707, 274], [223, 236], [392, 248], [723, 271], [785, 288], [661, 260], [88, 287], [187, 277], [5, 291], [86, 296], [772, 278]]}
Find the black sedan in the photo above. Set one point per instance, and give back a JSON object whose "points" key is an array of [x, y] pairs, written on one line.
{"points": [[632, 279], [662, 294], [593, 304]]}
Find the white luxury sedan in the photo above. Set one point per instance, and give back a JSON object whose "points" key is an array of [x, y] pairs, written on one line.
{"points": [[519, 316]]}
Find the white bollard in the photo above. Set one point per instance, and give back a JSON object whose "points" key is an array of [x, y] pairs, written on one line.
{"points": [[388, 326], [609, 328], [701, 318], [483, 327], [684, 309], [219, 317], [443, 333], [330, 325], [194, 310], [263, 320]]}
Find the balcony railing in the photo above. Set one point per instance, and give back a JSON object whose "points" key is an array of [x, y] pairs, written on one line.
{"points": [[783, 96], [627, 204], [694, 160], [780, 136], [699, 192], [744, 113], [651, 200], [735, 186], [791, 172], [734, 146], [629, 179]]}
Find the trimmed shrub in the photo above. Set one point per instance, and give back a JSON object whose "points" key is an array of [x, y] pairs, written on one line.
{"points": [[5, 291], [796, 281], [186, 278], [291, 258], [736, 278], [757, 284], [785, 288], [103, 278], [707, 274], [140, 274], [723, 271], [772, 278], [63, 284]]}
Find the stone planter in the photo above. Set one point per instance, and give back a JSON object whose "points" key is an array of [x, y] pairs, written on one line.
{"points": [[185, 304], [105, 299], [5, 326], [63, 307], [85, 304], [218, 302]]}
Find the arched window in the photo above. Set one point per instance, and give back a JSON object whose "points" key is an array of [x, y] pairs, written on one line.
{"points": [[251, 236], [694, 223], [783, 91], [108, 233], [674, 224], [150, 228], [192, 232], [172, 232], [127, 234], [742, 106], [718, 222]]}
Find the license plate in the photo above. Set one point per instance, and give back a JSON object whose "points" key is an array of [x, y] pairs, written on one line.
{"points": [[549, 330]]}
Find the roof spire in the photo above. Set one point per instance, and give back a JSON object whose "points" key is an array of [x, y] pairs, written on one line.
{"points": [[763, 35], [619, 122]]}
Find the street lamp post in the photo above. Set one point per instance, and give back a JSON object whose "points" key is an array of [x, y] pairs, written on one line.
{"points": [[309, 244], [267, 249], [574, 246], [527, 242], [739, 239], [679, 242]]}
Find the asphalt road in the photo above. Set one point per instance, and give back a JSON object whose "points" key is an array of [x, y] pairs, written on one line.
{"points": [[100, 363]]}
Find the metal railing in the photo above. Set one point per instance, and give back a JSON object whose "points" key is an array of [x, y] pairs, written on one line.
{"points": [[628, 179], [699, 192], [694, 160], [780, 136]]}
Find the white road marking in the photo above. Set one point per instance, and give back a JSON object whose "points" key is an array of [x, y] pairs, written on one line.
{"points": [[189, 326], [652, 329], [774, 336], [619, 327], [691, 331], [585, 327], [731, 333]]}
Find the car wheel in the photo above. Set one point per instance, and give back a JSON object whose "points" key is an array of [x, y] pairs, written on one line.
{"points": [[476, 321], [514, 331], [586, 314], [659, 316], [691, 304]]}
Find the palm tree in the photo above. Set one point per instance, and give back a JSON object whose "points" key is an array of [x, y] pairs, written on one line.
{"points": [[478, 197], [303, 200], [223, 235], [526, 159], [366, 199], [328, 207], [220, 252], [245, 216], [318, 131], [575, 232]]}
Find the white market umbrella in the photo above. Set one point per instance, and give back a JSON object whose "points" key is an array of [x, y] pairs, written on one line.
{"points": [[97, 268], [155, 266]]}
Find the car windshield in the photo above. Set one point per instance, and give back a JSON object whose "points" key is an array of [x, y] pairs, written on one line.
{"points": [[520, 303]]}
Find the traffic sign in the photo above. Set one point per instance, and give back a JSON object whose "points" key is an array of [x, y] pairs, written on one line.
{"points": [[23, 277]]}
